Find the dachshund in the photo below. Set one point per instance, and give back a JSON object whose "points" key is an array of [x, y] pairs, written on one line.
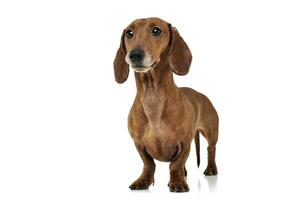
{"points": [[164, 119]]}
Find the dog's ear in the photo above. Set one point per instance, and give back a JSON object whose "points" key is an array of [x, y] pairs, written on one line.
{"points": [[179, 54], [121, 68]]}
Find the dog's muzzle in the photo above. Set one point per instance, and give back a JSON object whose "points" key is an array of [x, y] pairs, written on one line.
{"points": [[139, 60], [136, 56]]}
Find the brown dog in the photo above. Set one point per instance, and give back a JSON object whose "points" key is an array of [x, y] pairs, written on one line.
{"points": [[164, 119]]}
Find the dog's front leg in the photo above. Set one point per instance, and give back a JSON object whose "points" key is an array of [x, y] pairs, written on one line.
{"points": [[177, 181], [147, 176]]}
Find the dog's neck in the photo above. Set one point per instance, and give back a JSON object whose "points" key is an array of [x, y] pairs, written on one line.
{"points": [[154, 89], [158, 82]]}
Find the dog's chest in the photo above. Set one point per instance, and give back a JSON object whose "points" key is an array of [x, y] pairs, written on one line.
{"points": [[159, 138], [160, 142], [153, 109], [153, 125]]}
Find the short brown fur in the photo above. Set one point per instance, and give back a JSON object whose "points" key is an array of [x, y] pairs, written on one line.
{"points": [[164, 119]]}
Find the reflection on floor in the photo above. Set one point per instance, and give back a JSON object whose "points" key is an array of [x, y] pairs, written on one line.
{"points": [[212, 183]]}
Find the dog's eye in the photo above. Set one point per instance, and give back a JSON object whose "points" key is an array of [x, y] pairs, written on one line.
{"points": [[156, 31], [129, 34]]}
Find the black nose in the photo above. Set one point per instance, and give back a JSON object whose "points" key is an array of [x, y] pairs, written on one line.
{"points": [[136, 55]]}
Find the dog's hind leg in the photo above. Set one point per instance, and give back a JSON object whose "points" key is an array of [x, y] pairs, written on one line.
{"points": [[209, 129], [211, 136]]}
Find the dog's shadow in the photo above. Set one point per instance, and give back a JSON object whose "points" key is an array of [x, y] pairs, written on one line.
{"points": [[212, 182], [140, 191]]}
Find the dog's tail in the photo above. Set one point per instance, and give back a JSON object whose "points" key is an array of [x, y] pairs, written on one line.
{"points": [[197, 146]]}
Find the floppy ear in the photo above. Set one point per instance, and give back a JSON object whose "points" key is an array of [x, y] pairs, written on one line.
{"points": [[121, 68], [179, 55]]}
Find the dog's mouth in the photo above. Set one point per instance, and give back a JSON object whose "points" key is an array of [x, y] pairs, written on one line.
{"points": [[143, 69]]}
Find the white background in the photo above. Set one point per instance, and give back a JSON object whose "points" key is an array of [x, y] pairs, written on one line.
{"points": [[63, 119]]}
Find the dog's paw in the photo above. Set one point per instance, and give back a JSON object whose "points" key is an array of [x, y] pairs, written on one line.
{"points": [[210, 171], [141, 184], [178, 186]]}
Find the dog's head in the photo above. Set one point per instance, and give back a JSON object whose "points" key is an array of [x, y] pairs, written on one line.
{"points": [[145, 42]]}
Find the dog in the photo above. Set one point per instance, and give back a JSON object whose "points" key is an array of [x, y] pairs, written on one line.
{"points": [[164, 119]]}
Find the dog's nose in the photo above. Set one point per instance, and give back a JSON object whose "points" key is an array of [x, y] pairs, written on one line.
{"points": [[136, 55]]}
